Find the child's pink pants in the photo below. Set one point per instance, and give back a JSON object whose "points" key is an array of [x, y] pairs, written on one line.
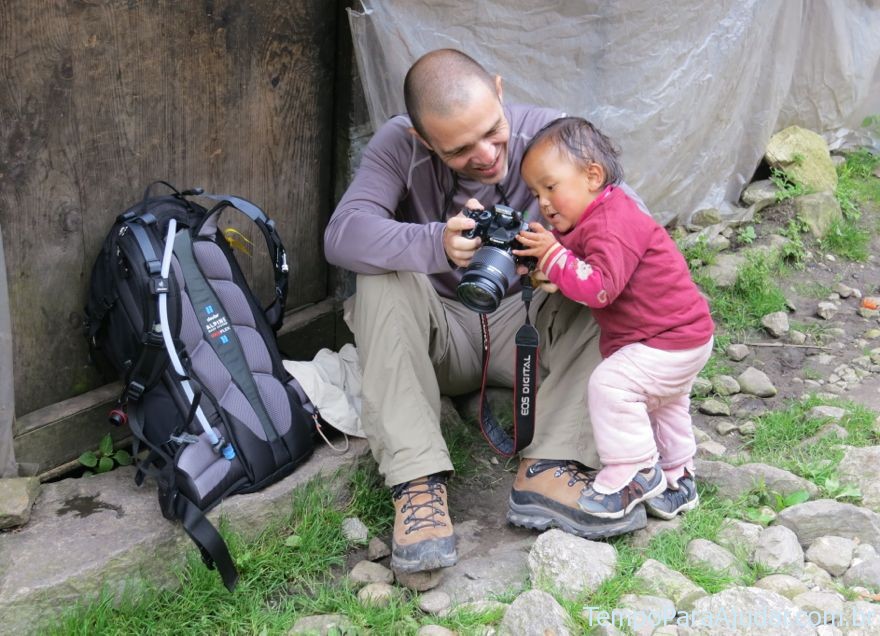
{"points": [[639, 400]]}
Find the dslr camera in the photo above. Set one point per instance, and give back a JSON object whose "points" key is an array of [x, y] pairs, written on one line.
{"points": [[493, 267]]}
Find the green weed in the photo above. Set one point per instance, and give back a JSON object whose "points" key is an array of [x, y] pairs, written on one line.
{"points": [[787, 187], [845, 239], [856, 184], [104, 459]]}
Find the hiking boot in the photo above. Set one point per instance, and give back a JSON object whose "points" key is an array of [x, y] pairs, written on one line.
{"points": [[647, 483], [423, 536], [545, 495], [670, 502]]}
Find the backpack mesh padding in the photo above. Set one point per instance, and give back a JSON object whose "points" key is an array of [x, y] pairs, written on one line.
{"points": [[203, 470]]}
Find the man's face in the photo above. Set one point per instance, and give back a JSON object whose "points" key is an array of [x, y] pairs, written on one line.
{"points": [[473, 139]]}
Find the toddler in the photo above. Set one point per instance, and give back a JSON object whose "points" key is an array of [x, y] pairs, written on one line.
{"points": [[656, 330]]}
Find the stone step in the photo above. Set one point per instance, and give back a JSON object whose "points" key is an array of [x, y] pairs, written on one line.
{"points": [[103, 531]]}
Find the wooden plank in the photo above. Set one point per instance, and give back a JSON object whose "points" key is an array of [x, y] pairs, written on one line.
{"points": [[59, 433], [98, 99]]}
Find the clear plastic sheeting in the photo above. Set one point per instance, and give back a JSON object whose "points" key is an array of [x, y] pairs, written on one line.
{"points": [[690, 91]]}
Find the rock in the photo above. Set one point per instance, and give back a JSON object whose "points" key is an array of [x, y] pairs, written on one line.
{"points": [[804, 157], [730, 482], [376, 594], [354, 530], [739, 605], [710, 448], [826, 310], [711, 406], [535, 612], [17, 497], [641, 538], [866, 573], [776, 324], [825, 517], [784, 584], [659, 580], [779, 550], [705, 218], [322, 625], [726, 427], [701, 552], [569, 564], [763, 191], [724, 385], [737, 352], [484, 575], [377, 549], [701, 387], [755, 382], [778, 480], [435, 602], [820, 604], [366, 572], [420, 581], [643, 614], [832, 554], [859, 468], [819, 212], [740, 537]]}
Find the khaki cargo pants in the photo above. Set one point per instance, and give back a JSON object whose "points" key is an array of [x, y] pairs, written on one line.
{"points": [[415, 346]]}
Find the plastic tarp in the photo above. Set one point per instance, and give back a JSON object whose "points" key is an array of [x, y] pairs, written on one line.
{"points": [[691, 91]]}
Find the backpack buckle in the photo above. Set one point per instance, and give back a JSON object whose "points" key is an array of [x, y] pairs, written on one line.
{"points": [[135, 390], [158, 285]]}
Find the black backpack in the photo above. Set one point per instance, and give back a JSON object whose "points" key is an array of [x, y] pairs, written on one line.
{"points": [[169, 311]]}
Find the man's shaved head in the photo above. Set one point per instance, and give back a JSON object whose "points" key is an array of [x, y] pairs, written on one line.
{"points": [[442, 82]]}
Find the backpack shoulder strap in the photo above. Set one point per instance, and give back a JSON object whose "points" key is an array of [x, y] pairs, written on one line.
{"points": [[275, 311]]}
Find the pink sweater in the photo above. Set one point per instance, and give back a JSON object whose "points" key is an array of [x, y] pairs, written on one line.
{"points": [[623, 264]]}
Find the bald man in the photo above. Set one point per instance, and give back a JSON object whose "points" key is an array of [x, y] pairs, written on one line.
{"points": [[399, 227]]}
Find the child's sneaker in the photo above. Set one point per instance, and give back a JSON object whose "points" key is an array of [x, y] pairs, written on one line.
{"points": [[670, 502], [647, 483]]}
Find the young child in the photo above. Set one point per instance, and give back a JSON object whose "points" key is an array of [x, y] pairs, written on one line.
{"points": [[656, 330]]}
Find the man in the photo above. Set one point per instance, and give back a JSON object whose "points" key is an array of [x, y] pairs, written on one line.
{"points": [[399, 227]]}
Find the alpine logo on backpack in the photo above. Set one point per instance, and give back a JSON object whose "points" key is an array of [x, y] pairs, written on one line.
{"points": [[205, 391]]}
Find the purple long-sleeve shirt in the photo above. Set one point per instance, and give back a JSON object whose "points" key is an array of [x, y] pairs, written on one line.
{"points": [[392, 216]]}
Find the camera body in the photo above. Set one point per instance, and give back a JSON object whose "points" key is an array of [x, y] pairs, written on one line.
{"points": [[493, 268]]}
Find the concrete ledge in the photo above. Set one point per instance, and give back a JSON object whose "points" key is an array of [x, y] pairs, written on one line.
{"points": [[103, 530]]}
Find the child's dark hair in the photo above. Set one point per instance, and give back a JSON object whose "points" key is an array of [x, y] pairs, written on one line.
{"points": [[583, 143]]}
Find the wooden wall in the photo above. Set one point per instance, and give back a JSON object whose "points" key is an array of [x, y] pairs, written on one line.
{"points": [[100, 97]]}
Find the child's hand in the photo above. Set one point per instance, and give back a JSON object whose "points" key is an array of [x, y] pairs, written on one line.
{"points": [[537, 242]]}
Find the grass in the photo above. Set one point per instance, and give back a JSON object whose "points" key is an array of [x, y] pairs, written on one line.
{"points": [[280, 580], [780, 434], [740, 307]]}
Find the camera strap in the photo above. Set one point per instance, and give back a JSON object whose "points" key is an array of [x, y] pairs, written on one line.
{"points": [[525, 386]]}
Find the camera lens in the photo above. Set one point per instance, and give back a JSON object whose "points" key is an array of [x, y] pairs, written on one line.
{"points": [[485, 281]]}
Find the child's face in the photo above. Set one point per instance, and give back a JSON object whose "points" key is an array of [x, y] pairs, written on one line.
{"points": [[563, 189]]}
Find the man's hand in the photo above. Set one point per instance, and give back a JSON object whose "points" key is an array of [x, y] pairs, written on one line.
{"points": [[540, 281], [537, 242], [460, 250]]}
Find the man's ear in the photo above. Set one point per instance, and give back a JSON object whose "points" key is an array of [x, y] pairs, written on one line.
{"points": [[498, 88], [595, 176], [414, 133]]}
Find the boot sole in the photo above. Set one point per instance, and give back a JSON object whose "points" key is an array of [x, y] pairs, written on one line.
{"points": [[429, 559], [537, 517]]}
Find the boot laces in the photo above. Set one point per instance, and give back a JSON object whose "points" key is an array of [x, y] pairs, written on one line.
{"points": [[575, 471], [424, 514]]}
